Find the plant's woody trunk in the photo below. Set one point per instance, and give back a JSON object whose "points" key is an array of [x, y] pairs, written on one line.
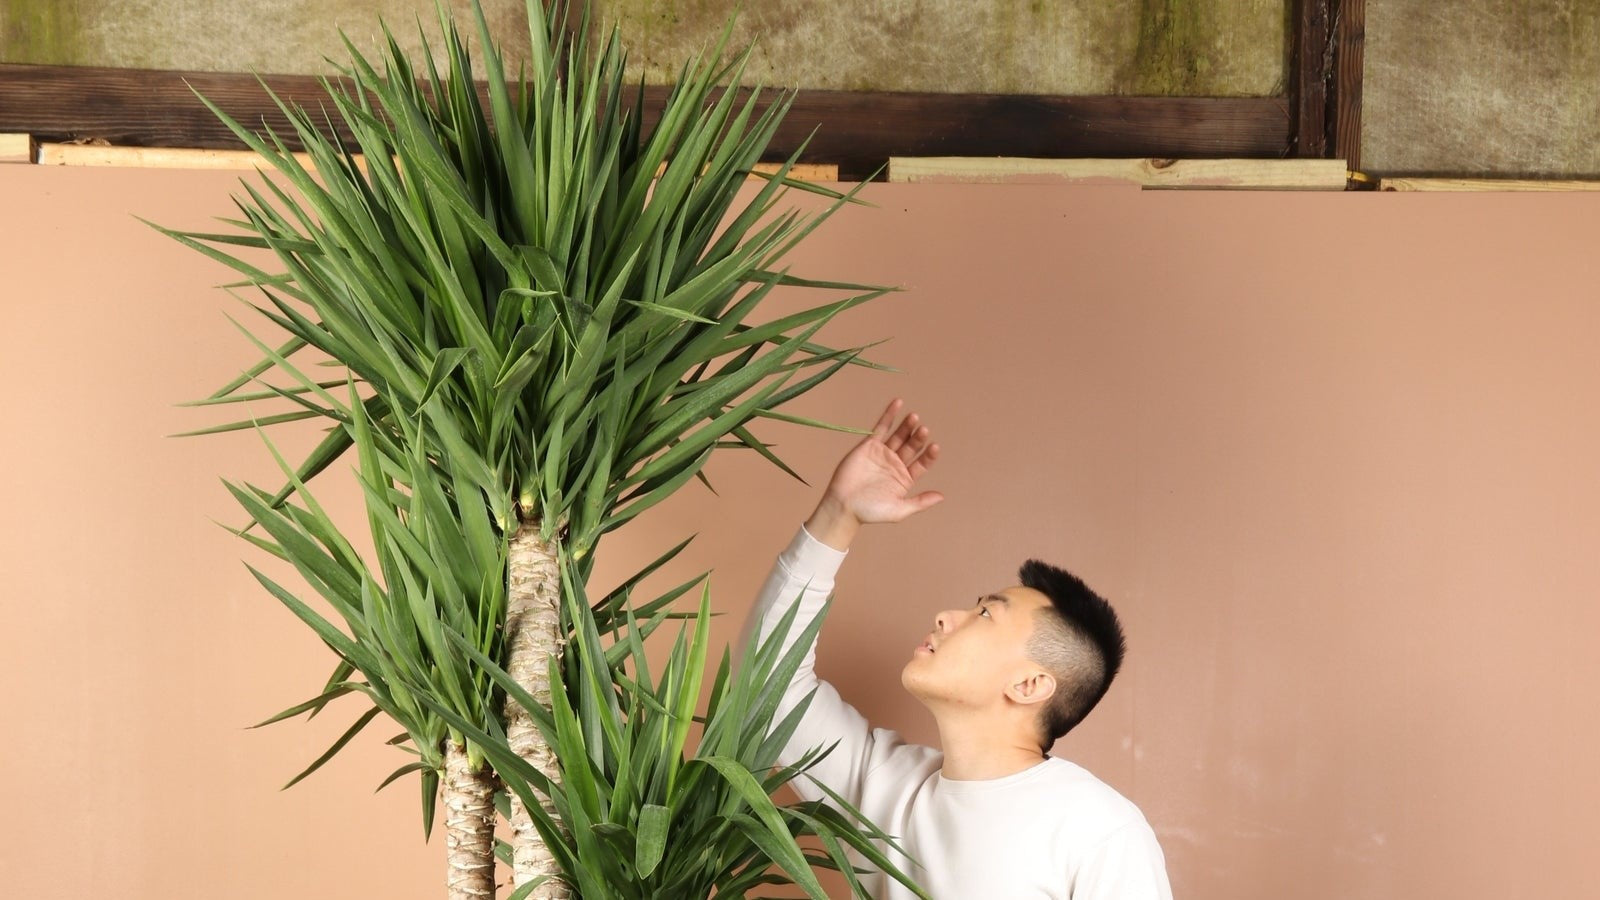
{"points": [[533, 623], [469, 826]]}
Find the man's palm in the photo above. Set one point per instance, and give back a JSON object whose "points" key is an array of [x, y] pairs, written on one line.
{"points": [[874, 480]]}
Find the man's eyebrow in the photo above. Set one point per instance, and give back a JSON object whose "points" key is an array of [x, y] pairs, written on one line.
{"points": [[996, 598]]}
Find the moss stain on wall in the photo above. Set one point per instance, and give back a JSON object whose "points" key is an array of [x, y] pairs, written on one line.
{"points": [[1202, 47], [44, 32], [1169, 59], [269, 36], [1195, 47]]}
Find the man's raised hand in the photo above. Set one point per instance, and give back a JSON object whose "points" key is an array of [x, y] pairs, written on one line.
{"points": [[874, 480]]}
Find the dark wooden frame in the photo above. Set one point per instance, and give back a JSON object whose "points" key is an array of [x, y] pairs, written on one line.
{"points": [[1325, 69], [1319, 116]]}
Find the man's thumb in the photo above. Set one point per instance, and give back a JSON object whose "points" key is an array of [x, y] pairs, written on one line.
{"points": [[926, 499]]}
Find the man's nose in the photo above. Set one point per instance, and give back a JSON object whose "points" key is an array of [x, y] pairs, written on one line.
{"points": [[944, 620]]}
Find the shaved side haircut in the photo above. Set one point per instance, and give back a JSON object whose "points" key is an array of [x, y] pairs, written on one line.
{"points": [[1078, 639]]}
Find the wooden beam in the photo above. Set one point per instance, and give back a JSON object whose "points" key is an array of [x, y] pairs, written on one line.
{"points": [[1325, 77], [1310, 70], [863, 130], [1349, 55], [1484, 184], [16, 148], [858, 131], [1247, 174]]}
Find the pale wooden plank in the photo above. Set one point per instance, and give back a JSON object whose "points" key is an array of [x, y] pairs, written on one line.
{"points": [[1252, 174], [803, 171], [157, 157], [1484, 184], [798, 171], [16, 148], [195, 158]]}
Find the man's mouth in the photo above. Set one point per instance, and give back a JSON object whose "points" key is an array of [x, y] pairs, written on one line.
{"points": [[926, 645]]}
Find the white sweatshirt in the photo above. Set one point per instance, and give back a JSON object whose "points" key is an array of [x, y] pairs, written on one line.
{"points": [[1050, 831]]}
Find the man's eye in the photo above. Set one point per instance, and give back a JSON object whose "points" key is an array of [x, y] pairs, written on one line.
{"points": [[984, 611]]}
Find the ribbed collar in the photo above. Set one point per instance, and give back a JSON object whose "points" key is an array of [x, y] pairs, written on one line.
{"points": [[986, 785]]}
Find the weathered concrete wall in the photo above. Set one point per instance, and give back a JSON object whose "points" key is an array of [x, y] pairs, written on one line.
{"points": [[1506, 87], [1179, 47], [1162, 47], [268, 36]]}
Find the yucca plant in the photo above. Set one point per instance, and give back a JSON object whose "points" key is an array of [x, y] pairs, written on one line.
{"points": [[623, 784], [540, 339]]}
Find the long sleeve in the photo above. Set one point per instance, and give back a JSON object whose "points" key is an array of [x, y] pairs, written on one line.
{"points": [[805, 570], [1127, 865]]}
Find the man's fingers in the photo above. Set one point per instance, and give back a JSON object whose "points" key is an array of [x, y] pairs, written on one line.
{"points": [[886, 421], [921, 463], [908, 427], [914, 445]]}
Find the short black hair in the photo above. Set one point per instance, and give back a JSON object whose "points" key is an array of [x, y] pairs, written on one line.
{"points": [[1078, 638]]}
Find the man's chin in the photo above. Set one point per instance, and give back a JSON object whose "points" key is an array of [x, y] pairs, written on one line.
{"points": [[909, 680]]}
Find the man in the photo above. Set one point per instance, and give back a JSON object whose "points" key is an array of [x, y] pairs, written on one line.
{"points": [[992, 816]]}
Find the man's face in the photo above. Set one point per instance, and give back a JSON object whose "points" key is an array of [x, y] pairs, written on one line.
{"points": [[973, 655]]}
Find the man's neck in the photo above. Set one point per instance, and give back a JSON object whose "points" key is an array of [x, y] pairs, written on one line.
{"points": [[984, 750]]}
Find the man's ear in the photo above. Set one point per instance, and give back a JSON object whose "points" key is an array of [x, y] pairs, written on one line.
{"points": [[1034, 686]]}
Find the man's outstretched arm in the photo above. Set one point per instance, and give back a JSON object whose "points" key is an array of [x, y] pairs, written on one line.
{"points": [[871, 484]]}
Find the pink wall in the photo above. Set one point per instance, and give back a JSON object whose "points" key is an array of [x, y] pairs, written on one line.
{"points": [[1332, 456]]}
